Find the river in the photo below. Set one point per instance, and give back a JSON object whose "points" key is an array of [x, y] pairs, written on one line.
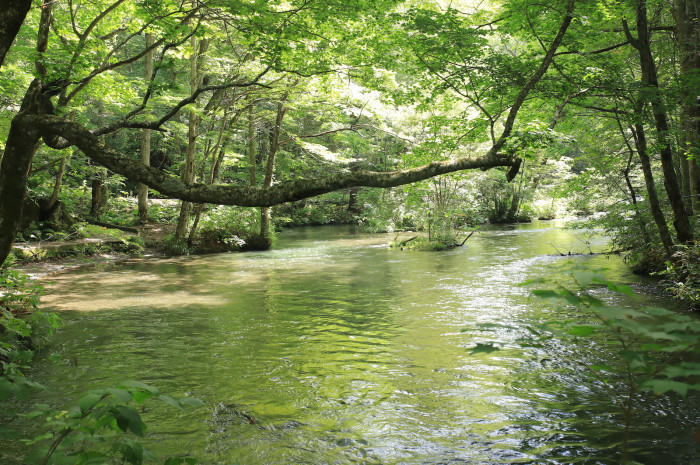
{"points": [[344, 351]]}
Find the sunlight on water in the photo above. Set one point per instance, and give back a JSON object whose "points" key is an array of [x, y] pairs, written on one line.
{"points": [[345, 351]]}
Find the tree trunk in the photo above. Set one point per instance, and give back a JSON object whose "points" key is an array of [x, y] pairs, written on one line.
{"points": [[635, 204], [196, 62], [146, 136], [98, 196], [59, 182], [654, 205], [12, 14], [251, 143], [213, 174], [352, 201], [652, 95], [265, 212], [685, 14], [42, 42], [22, 142], [628, 181]]}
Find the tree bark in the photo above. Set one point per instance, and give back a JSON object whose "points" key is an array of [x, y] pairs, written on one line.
{"points": [[146, 135], [628, 181], [265, 212], [251, 143], [685, 14], [98, 196], [22, 142], [12, 14], [654, 204], [59, 182], [652, 95], [42, 42]]}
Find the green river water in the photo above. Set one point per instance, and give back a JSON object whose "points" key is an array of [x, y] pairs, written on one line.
{"points": [[347, 352]]}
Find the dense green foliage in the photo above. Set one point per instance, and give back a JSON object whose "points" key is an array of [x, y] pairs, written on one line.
{"points": [[267, 93]]}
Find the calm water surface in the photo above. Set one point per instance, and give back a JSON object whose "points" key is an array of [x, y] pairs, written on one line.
{"points": [[347, 352]]}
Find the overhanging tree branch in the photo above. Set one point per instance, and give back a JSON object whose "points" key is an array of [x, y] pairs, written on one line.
{"points": [[90, 144]]}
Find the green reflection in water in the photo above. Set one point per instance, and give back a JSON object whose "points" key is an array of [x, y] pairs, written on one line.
{"points": [[344, 351]]}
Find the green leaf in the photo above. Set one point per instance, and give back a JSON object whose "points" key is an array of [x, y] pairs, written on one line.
{"points": [[129, 419], [620, 288], [140, 386], [682, 370], [661, 386], [546, 294], [131, 451], [89, 401], [140, 396], [170, 401], [656, 311], [122, 395], [191, 402], [486, 348], [582, 330]]}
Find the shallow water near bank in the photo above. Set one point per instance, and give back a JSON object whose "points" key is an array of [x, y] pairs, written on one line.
{"points": [[345, 351]]}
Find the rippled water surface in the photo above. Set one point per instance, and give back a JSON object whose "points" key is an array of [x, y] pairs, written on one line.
{"points": [[342, 351]]}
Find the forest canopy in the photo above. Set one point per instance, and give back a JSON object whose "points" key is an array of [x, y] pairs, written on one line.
{"points": [[257, 103]]}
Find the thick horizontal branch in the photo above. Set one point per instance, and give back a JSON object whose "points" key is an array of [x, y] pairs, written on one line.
{"points": [[51, 126]]}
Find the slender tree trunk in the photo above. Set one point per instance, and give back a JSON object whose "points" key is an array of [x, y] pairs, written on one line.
{"points": [[196, 62], [213, 172], [12, 14], [635, 204], [517, 196], [42, 42], [251, 143], [628, 181], [98, 196], [146, 136], [352, 200], [654, 205], [59, 182], [652, 95], [266, 212], [59, 178]]}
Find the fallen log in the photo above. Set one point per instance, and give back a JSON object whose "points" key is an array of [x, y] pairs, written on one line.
{"points": [[403, 243]]}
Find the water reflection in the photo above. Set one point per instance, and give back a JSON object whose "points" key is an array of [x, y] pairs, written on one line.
{"points": [[344, 351]]}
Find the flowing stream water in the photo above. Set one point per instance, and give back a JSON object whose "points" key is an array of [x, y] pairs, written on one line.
{"points": [[335, 349]]}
